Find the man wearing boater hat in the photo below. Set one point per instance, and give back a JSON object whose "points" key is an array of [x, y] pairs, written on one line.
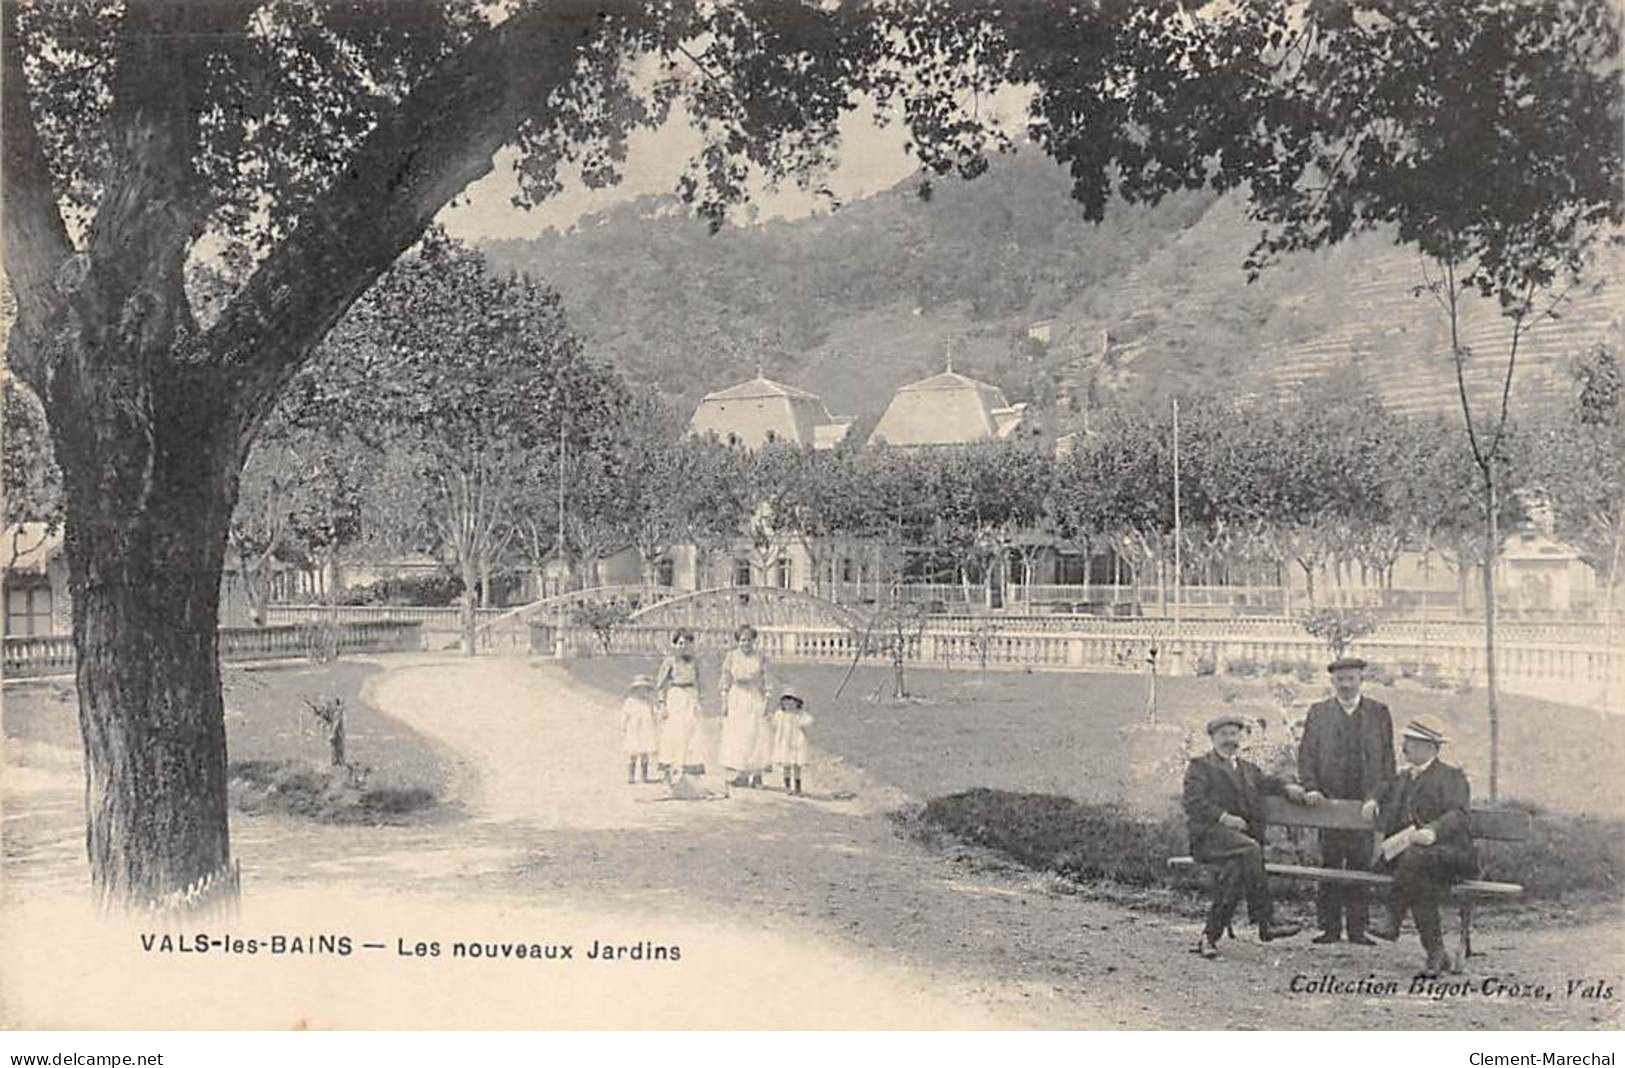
{"points": [[1222, 816], [1347, 752], [1433, 799]]}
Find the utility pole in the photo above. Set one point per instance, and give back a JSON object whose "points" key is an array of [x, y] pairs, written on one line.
{"points": [[558, 641], [1179, 571]]}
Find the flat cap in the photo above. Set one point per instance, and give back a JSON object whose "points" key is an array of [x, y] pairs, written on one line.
{"points": [[1428, 728], [1346, 662], [638, 681], [1225, 720], [789, 691]]}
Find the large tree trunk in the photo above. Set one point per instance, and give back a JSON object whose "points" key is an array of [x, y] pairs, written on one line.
{"points": [[150, 481]]}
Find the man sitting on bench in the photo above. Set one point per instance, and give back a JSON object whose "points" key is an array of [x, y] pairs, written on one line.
{"points": [[1427, 808], [1222, 815]]}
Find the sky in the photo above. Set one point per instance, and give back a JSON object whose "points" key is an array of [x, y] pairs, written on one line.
{"points": [[871, 160]]}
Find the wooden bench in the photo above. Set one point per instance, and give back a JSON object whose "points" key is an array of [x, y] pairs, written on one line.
{"points": [[1485, 824]]}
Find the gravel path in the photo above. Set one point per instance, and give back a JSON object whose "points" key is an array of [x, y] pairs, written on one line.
{"points": [[807, 912]]}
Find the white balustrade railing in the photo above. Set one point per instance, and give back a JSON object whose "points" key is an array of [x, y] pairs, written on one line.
{"points": [[1124, 649], [53, 654], [435, 618]]}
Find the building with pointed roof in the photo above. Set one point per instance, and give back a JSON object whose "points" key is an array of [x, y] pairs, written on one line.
{"points": [[948, 409], [762, 411]]}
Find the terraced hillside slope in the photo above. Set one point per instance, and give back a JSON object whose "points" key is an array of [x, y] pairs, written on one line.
{"points": [[1004, 275]]}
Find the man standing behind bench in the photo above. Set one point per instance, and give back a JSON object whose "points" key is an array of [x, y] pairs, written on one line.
{"points": [[1222, 817], [1430, 800], [1347, 752]]}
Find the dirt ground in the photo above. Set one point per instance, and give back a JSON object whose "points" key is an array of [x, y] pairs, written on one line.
{"points": [[789, 912]]}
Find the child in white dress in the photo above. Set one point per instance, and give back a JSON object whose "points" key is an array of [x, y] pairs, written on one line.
{"points": [[790, 725], [640, 736]]}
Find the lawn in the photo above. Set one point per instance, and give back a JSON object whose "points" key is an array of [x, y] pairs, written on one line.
{"points": [[1060, 733], [268, 728], [1034, 765]]}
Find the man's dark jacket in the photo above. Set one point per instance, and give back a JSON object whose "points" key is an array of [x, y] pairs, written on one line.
{"points": [[1347, 755], [1439, 799], [1212, 788]]}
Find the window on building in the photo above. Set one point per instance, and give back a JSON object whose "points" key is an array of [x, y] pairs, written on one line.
{"points": [[1072, 569], [28, 610], [1103, 569], [666, 571], [733, 439], [741, 572], [849, 569], [772, 436], [782, 573]]}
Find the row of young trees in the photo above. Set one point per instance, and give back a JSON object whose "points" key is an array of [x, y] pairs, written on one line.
{"points": [[1327, 479], [437, 421]]}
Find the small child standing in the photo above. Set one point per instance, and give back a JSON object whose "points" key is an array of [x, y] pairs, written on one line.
{"points": [[790, 725], [639, 734]]}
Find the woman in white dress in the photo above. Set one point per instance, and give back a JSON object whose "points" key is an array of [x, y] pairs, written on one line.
{"points": [[678, 684], [744, 698]]}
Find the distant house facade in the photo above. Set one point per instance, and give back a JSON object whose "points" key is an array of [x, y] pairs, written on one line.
{"points": [[35, 586], [762, 412], [949, 409], [36, 581]]}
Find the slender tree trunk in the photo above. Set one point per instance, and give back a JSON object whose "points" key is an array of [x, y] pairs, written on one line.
{"points": [[1492, 551], [470, 638], [1608, 611], [256, 586]]}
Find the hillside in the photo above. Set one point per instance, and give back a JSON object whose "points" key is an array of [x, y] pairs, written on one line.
{"points": [[854, 304]]}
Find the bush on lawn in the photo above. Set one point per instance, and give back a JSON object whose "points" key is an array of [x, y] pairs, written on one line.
{"points": [[424, 591], [1049, 833], [323, 794], [1565, 857], [1243, 667], [1568, 860]]}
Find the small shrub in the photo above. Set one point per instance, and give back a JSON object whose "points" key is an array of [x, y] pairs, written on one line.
{"points": [[1409, 669], [427, 591], [1338, 627], [396, 800], [1243, 667], [1049, 833], [1379, 674], [1570, 860], [1206, 665], [1565, 857], [1306, 672], [325, 795], [602, 618]]}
